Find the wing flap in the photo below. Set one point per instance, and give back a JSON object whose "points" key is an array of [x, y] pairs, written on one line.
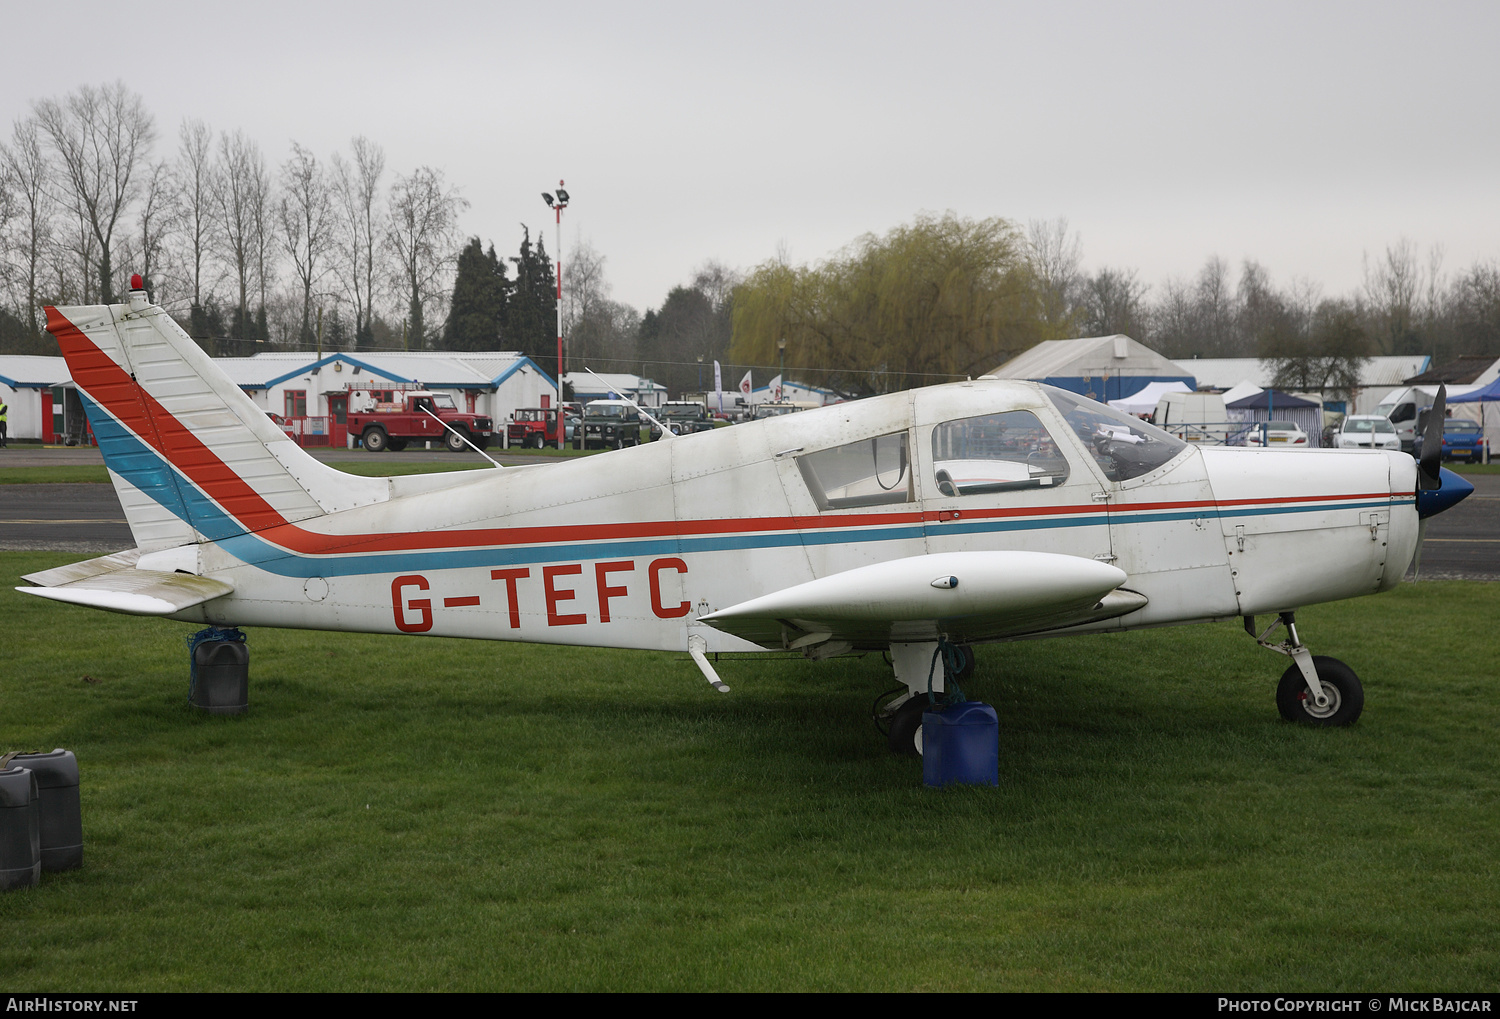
{"points": [[968, 596]]}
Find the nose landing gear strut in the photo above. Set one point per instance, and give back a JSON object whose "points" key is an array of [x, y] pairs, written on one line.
{"points": [[1316, 689]]}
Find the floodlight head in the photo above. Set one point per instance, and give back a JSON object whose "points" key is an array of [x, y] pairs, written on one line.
{"points": [[547, 198], [562, 196]]}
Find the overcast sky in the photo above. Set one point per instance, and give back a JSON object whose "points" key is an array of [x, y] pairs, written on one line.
{"points": [[1303, 135]]}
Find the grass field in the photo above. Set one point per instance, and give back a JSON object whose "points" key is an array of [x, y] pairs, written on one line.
{"points": [[420, 814]]}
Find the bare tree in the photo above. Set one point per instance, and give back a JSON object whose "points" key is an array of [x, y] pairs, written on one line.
{"points": [[356, 188], [1113, 303], [240, 195], [601, 331], [197, 184], [305, 217], [584, 286], [423, 238], [24, 164], [1391, 286], [158, 218], [101, 137], [1054, 256]]}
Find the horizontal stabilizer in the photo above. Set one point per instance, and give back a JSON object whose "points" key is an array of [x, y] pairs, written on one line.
{"points": [[967, 595], [113, 583]]}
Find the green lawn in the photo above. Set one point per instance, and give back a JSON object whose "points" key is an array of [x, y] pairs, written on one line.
{"points": [[422, 814]]}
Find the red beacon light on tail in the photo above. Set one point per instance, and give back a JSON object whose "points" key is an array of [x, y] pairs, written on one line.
{"points": [[138, 299]]}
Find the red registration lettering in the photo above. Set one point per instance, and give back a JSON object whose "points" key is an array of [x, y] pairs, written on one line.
{"points": [[510, 577], [662, 612], [601, 571], [423, 606], [554, 596]]}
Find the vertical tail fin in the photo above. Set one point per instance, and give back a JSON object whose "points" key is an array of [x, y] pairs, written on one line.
{"points": [[191, 456]]}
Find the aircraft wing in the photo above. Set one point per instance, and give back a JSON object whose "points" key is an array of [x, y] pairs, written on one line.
{"points": [[113, 582], [966, 595]]}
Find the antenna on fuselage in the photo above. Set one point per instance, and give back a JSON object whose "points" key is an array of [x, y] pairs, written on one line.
{"points": [[462, 437], [666, 433]]}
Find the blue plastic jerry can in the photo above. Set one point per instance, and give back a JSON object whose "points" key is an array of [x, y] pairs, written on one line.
{"points": [[961, 743]]}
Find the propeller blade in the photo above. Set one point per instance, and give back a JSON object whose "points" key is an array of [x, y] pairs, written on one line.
{"points": [[1429, 473]]}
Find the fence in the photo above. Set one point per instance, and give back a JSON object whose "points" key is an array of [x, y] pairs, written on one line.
{"points": [[318, 430]]}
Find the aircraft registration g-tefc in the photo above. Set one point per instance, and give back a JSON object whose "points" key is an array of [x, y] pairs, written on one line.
{"points": [[916, 523]]}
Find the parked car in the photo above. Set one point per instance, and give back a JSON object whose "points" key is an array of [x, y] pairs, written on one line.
{"points": [[1284, 434], [537, 427], [609, 424], [1366, 431], [1462, 440], [684, 418]]}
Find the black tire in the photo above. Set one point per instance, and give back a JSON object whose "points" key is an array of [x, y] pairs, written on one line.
{"points": [[905, 736], [968, 661], [538, 441], [454, 442], [1346, 695], [482, 443], [376, 441], [397, 445]]}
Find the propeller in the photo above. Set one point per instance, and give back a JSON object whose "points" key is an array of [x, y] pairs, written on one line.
{"points": [[1437, 488], [1429, 468]]}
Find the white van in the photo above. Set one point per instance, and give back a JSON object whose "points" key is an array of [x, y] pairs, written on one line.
{"points": [[1195, 417], [1401, 407]]}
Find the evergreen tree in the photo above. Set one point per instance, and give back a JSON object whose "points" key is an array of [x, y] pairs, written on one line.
{"points": [[480, 291], [335, 333], [532, 309], [648, 342]]}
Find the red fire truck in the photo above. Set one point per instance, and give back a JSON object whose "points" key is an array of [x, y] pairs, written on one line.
{"points": [[390, 418]]}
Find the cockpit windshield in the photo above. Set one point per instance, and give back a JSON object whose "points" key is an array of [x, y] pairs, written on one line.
{"points": [[1125, 447]]}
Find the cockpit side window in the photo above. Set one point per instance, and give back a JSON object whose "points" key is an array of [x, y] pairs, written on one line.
{"points": [[869, 472], [1123, 446], [995, 453]]}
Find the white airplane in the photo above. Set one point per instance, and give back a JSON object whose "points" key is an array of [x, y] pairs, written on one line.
{"points": [[920, 523]]}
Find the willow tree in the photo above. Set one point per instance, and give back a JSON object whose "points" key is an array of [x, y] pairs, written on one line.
{"points": [[942, 298]]}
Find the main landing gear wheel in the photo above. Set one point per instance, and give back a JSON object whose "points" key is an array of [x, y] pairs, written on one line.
{"points": [[967, 661], [905, 737], [1346, 695]]}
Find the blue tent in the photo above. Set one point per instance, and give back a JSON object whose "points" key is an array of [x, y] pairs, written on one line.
{"points": [[1489, 392]]}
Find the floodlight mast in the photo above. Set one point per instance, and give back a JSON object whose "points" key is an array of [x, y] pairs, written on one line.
{"points": [[558, 205]]}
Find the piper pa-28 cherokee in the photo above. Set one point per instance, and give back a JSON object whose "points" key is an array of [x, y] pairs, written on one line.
{"points": [[918, 523]]}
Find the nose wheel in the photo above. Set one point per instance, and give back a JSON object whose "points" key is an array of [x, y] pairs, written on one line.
{"points": [[1316, 689], [1342, 691]]}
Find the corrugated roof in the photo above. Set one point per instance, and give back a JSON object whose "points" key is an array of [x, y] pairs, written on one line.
{"points": [[596, 382], [1227, 372], [33, 370], [1466, 369], [442, 369], [1086, 356]]}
